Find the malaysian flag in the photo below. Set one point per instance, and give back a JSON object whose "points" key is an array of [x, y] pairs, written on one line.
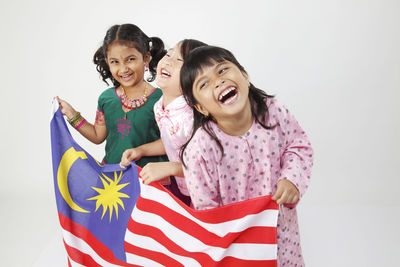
{"points": [[110, 218]]}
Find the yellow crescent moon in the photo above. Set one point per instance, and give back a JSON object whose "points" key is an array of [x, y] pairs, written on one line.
{"points": [[69, 157]]}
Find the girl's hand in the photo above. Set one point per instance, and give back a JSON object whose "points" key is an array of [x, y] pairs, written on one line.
{"points": [[66, 108], [129, 155], [156, 171], [286, 193]]}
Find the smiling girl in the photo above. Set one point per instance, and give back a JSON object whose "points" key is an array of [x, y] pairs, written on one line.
{"points": [[244, 144], [124, 116]]}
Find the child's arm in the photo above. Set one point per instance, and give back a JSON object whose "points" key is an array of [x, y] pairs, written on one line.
{"points": [[296, 159], [95, 133], [155, 148], [155, 171], [201, 175]]}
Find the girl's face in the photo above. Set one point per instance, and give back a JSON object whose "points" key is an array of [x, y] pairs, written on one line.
{"points": [[126, 64], [168, 72], [222, 90]]}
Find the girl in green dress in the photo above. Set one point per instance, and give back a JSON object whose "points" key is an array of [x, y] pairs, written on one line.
{"points": [[124, 116]]}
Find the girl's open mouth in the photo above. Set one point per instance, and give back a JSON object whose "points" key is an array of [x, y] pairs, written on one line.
{"points": [[228, 96], [165, 74]]}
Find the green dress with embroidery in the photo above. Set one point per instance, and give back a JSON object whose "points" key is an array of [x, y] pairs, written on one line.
{"points": [[137, 128]]}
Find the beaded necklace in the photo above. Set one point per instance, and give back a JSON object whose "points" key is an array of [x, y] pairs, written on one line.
{"points": [[130, 104]]}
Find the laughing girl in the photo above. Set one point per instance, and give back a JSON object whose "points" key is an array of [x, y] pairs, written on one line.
{"points": [[174, 118], [244, 145]]}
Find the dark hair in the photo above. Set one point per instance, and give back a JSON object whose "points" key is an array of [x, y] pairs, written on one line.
{"points": [[187, 45], [131, 36], [208, 56]]}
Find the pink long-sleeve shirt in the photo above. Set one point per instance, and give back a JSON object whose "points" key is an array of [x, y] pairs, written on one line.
{"points": [[251, 166], [175, 122]]}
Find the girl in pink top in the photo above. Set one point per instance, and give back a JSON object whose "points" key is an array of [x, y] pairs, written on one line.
{"points": [[244, 144], [174, 119]]}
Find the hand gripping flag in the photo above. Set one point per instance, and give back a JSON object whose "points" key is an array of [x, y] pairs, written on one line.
{"points": [[110, 218]]}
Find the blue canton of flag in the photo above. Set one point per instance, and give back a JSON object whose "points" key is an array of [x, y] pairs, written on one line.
{"points": [[99, 198]]}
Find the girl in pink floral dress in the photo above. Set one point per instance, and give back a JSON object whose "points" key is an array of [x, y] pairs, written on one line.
{"points": [[244, 144]]}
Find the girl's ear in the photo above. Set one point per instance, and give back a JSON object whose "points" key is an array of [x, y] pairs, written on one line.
{"points": [[245, 74], [146, 58], [201, 109]]}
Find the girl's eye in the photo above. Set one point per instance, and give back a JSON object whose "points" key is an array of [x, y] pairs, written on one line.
{"points": [[131, 59], [113, 62], [203, 85], [222, 70]]}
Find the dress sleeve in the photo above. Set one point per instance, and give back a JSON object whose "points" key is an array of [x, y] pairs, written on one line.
{"points": [[201, 176], [99, 105], [181, 127], [296, 157], [100, 120]]}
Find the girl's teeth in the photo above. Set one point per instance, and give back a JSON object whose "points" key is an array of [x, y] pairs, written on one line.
{"points": [[225, 93]]}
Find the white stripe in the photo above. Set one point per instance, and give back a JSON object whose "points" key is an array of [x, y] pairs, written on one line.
{"points": [[265, 218], [74, 263], [191, 244], [150, 244], [76, 242], [135, 259]]}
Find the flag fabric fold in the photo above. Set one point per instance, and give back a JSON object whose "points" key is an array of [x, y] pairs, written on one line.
{"points": [[109, 217]]}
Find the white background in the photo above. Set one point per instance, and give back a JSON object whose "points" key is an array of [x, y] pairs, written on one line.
{"points": [[334, 64]]}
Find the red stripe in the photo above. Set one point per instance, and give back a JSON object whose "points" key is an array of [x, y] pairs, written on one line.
{"points": [[201, 257], [84, 234], [235, 210], [153, 255], [69, 262], [79, 257], [257, 234], [228, 212], [233, 262]]}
